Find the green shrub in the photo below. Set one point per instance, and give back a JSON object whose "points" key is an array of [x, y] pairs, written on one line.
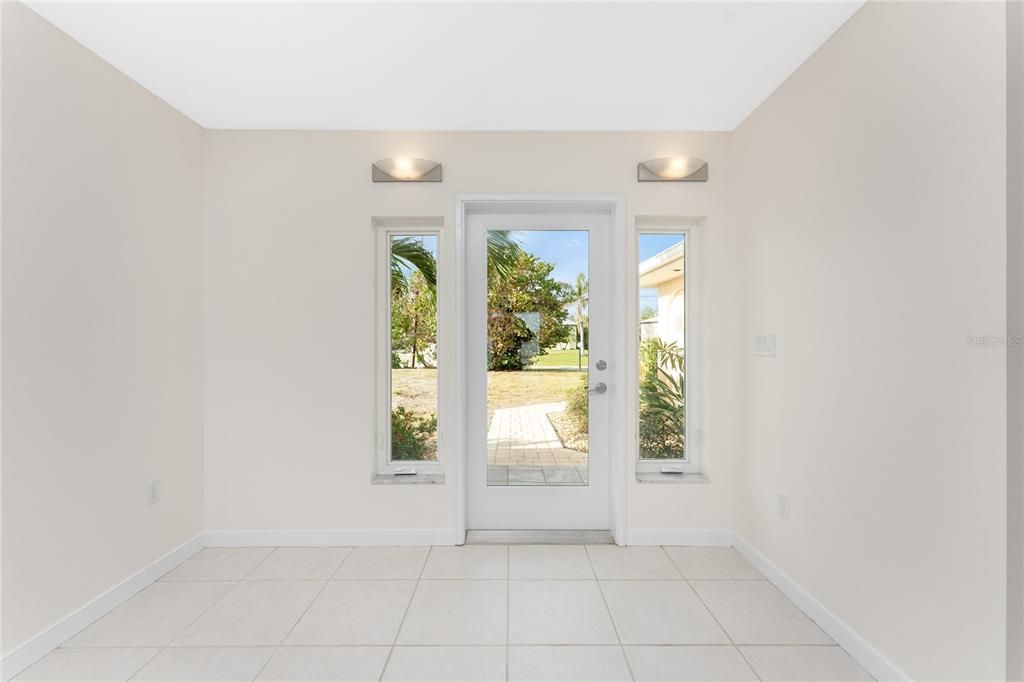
{"points": [[662, 400], [577, 407], [411, 434], [506, 334]]}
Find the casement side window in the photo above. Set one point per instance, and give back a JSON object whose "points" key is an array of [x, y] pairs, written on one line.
{"points": [[407, 347], [665, 359]]}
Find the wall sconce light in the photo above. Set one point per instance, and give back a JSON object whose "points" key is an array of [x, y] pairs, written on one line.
{"points": [[673, 169], [405, 169]]}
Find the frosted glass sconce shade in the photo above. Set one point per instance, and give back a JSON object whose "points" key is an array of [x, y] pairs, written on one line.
{"points": [[405, 169], [673, 169]]}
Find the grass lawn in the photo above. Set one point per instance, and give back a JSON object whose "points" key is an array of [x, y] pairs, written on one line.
{"points": [[512, 389], [416, 389], [560, 358]]}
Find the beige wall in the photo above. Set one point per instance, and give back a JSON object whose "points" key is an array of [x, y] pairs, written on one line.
{"points": [[289, 311], [102, 287], [869, 198]]}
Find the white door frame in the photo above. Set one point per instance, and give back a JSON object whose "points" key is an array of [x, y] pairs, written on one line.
{"points": [[618, 341], [538, 507]]}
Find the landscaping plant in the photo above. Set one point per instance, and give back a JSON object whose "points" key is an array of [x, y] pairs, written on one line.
{"points": [[577, 408], [662, 400], [411, 434]]}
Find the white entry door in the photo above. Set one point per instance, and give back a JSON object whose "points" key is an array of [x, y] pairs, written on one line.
{"points": [[537, 345]]}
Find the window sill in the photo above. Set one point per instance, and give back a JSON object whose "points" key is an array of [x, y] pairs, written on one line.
{"points": [[659, 477], [408, 479]]}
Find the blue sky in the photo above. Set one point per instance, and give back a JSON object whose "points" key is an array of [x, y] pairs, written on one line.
{"points": [[651, 244], [568, 250]]}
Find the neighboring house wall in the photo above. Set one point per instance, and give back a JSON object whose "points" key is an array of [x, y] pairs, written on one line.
{"points": [[102, 196], [663, 272], [870, 190], [669, 322], [671, 312]]}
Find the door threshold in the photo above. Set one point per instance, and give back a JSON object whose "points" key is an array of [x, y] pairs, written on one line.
{"points": [[539, 537]]}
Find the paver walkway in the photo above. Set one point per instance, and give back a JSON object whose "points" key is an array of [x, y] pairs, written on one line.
{"points": [[524, 449]]}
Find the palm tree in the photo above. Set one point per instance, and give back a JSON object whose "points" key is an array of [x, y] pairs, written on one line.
{"points": [[580, 296], [502, 254], [408, 254]]}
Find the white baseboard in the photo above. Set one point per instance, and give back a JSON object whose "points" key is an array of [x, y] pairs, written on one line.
{"points": [[679, 536], [49, 639], [331, 538], [869, 658]]}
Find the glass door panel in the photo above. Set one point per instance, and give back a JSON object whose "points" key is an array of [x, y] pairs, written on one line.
{"points": [[537, 369], [537, 357]]}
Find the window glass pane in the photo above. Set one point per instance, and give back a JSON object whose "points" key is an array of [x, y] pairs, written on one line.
{"points": [[661, 365], [413, 347], [537, 342]]}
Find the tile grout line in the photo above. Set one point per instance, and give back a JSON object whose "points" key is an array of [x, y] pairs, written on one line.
{"points": [[201, 614], [147, 662], [710, 612], [401, 624], [464, 644], [765, 579], [439, 580], [615, 626], [277, 648], [334, 574], [259, 563], [297, 620]]}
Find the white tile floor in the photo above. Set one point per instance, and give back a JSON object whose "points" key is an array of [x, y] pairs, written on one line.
{"points": [[521, 612]]}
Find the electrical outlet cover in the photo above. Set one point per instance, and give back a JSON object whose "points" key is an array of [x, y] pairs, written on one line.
{"points": [[782, 505]]}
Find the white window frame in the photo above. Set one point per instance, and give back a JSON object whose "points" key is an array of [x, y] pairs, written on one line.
{"points": [[382, 304], [691, 464]]}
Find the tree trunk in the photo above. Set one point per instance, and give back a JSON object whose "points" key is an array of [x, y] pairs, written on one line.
{"points": [[415, 336]]}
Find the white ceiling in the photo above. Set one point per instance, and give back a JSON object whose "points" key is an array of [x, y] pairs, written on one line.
{"points": [[456, 66]]}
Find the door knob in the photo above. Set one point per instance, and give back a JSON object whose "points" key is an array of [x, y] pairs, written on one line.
{"points": [[599, 388], [601, 364]]}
